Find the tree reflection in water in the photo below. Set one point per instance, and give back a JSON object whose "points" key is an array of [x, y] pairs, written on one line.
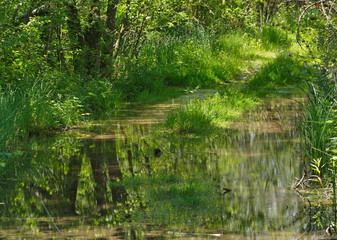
{"points": [[134, 182]]}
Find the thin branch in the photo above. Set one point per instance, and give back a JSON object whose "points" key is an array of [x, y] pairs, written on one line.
{"points": [[327, 16], [45, 208], [300, 181], [322, 151], [298, 36], [39, 11], [330, 43]]}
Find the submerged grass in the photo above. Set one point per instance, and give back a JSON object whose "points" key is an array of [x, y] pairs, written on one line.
{"points": [[170, 198]]}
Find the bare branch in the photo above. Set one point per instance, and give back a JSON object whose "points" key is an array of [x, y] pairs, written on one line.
{"points": [[298, 36], [39, 11], [324, 5], [327, 16]]}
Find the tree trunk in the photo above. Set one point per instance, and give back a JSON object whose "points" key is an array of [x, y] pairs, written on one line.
{"points": [[111, 14], [75, 36], [92, 36], [74, 27]]}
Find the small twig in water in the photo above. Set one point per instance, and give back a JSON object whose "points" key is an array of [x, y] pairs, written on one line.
{"points": [[226, 190], [45, 208], [300, 181], [196, 234]]}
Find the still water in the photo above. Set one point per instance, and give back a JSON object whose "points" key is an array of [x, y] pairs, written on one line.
{"points": [[127, 179]]}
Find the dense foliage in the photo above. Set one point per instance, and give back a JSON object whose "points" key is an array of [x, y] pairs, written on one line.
{"points": [[74, 59], [63, 62]]}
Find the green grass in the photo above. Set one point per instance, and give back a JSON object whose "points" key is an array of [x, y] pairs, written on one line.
{"points": [[196, 60], [282, 73], [206, 116], [100, 97], [224, 59], [55, 100], [157, 92], [317, 129], [33, 109], [280, 76], [275, 38]]}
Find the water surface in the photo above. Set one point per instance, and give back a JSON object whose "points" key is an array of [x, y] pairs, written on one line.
{"points": [[124, 179]]}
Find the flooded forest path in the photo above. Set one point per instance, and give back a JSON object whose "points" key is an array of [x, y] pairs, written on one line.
{"points": [[126, 179]]}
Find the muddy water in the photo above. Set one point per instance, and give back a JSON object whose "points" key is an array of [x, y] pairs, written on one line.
{"points": [[125, 179]]}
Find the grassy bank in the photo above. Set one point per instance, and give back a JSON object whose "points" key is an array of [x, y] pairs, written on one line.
{"points": [[55, 100], [281, 76]]}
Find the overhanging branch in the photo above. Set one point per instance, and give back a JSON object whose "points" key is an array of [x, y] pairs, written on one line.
{"points": [[39, 11]]}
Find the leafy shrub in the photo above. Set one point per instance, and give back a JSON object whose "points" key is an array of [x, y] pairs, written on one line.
{"points": [[100, 97]]}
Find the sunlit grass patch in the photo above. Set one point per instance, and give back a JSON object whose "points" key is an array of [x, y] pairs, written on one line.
{"points": [[189, 62], [275, 38], [196, 60], [191, 118], [282, 72], [204, 116]]}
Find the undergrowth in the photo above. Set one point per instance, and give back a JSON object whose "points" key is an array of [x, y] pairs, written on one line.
{"points": [[55, 100], [279, 77], [33, 109], [198, 60]]}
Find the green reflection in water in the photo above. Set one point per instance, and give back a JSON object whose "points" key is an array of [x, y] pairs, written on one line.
{"points": [[115, 184]]}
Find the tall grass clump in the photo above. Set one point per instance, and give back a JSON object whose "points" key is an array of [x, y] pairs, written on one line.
{"points": [[191, 118], [31, 109], [317, 128], [203, 116], [34, 108], [234, 45], [192, 60], [46, 110], [275, 38], [10, 107]]}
